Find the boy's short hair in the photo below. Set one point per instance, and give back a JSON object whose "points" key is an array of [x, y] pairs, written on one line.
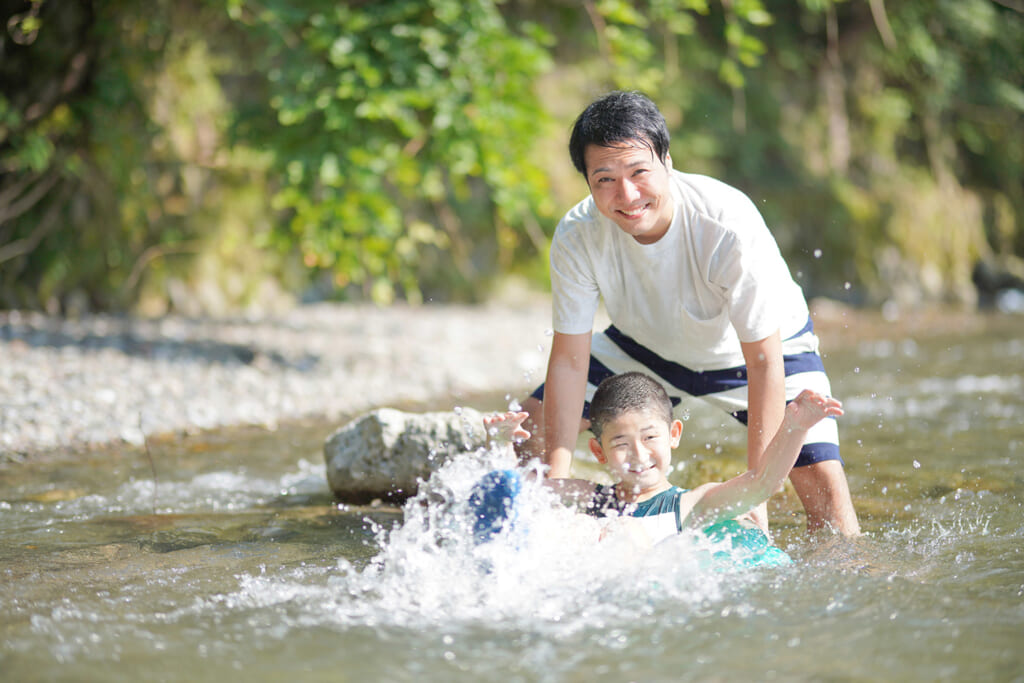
{"points": [[615, 118], [625, 393]]}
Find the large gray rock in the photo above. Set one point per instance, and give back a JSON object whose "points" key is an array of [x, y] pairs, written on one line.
{"points": [[385, 453]]}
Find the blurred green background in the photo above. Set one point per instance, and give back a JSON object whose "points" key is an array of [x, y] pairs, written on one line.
{"points": [[212, 156]]}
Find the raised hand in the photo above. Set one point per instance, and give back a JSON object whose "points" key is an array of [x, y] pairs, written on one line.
{"points": [[506, 427], [810, 407]]}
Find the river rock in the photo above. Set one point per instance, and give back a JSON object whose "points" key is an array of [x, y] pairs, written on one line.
{"points": [[386, 453]]}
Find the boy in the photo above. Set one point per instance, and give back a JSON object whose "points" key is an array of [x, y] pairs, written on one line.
{"points": [[634, 434], [699, 297]]}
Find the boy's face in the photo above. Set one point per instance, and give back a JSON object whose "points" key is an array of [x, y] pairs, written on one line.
{"points": [[630, 186], [637, 449]]}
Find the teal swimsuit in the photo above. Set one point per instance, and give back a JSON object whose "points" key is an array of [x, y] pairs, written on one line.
{"points": [[750, 546]]}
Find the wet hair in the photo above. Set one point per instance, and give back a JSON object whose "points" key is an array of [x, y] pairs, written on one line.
{"points": [[627, 393], [614, 119]]}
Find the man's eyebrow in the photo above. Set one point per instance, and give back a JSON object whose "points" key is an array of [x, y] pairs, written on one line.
{"points": [[607, 169]]}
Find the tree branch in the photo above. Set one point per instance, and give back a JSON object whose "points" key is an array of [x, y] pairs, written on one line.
{"points": [[11, 208], [1015, 5], [26, 245], [600, 29], [882, 23], [154, 252]]}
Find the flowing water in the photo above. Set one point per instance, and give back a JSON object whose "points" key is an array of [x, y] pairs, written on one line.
{"points": [[234, 562]]}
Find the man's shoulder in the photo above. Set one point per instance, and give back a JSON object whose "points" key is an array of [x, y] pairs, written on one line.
{"points": [[583, 224], [709, 197], [715, 213], [583, 214]]}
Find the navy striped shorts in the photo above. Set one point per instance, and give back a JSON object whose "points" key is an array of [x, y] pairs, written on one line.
{"points": [[612, 352]]}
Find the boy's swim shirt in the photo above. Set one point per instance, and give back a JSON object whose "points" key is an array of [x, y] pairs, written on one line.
{"points": [[746, 546], [716, 278], [660, 512]]}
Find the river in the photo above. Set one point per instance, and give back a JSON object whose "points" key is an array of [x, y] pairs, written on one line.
{"points": [[234, 562]]}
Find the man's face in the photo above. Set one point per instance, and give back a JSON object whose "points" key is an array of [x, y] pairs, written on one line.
{"points": [[630, 185]]}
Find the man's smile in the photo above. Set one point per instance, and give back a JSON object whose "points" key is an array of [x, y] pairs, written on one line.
{"points": [[634, 212]]}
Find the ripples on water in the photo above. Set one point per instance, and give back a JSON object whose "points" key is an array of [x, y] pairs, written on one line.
{"points": [[235, 564]]}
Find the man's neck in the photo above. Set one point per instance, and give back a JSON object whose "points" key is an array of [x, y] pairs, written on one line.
{"points": [[663, 228]]}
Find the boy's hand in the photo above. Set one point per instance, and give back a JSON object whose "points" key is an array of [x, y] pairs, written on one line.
{"points": [[809, 408], [507, 427]]}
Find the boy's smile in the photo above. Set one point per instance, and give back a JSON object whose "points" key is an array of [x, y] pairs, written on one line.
{"points": [[636, 446], [631, 187]]}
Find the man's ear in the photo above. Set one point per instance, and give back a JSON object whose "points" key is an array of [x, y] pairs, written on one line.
{"points": [[668, 160], [595, 448], [675, 431]]}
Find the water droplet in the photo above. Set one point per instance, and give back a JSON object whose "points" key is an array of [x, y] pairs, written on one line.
{"points": [[817, 253], [917, 465], [846, 286]]}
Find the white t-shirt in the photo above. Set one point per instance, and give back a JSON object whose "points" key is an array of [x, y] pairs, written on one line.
{"points": [[714, 279]]}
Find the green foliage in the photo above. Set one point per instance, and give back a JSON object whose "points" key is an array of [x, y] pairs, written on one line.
{"points": [[402, 133], [408, 148], [103, 113], [860, 133]]}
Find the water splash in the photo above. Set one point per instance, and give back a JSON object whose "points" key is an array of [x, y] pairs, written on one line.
{"points": [[550, 573]]}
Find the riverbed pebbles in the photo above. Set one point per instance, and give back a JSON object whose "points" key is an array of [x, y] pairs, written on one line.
{"points": [[102, 379]]}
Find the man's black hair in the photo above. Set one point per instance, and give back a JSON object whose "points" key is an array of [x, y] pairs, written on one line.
{"points": [[614, 119]]}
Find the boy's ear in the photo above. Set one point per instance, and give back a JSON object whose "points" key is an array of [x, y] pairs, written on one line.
{"points": [[675, 431], [595, 448]]}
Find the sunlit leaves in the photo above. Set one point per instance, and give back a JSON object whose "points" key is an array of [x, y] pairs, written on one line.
{"points": [[406, 111], [633, 31]]}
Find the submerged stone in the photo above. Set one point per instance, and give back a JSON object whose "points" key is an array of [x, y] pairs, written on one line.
{"points": [[387, 452]]}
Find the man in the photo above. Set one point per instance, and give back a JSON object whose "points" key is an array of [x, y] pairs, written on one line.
{"points": [[698, 294]]}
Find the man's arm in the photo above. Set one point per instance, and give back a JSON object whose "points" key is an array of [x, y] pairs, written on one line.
{"points": [[564, 391], [766, 401], [766, 394]]}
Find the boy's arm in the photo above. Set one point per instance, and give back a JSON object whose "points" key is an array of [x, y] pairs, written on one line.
{"points": [[564, 392], [748, 490], [573, 492], [505, 428]]}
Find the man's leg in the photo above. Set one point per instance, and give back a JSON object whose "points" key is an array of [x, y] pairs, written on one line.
{"points": [[819, 478], [825, 494]]}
